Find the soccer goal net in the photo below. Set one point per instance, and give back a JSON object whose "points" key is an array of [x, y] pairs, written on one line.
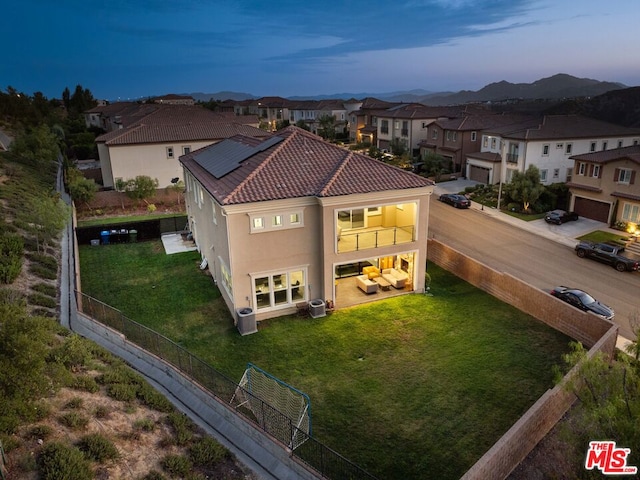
{"points": [[287, 413]]}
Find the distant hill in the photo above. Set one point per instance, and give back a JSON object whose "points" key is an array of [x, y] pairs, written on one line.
{"points": [[556, 87], [621, 107]]}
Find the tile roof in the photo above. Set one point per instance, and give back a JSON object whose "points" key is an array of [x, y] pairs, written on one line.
{"points": [[301, 165], [180, 123], [558, 127], [418, 110], [483, 121], [605, 156]]}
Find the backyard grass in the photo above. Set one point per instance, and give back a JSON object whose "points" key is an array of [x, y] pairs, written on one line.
{"points": [[126, 219], [409, 387]]}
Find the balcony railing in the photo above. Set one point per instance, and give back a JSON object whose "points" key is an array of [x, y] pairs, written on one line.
{"points": [[405, 132], [512, 157], [364, 239]]}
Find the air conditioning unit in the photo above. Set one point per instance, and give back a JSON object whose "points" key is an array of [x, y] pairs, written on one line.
{"points": [[246, 321], [317, 308]]}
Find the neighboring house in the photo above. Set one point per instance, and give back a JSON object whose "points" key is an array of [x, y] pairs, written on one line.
{"points": [[292, 218], [605, 185], [151, 146], [173, 99], [270, 110], [115, 116], [549, 144], [310, 112], [409, 123], [455, 139], [363, 119]]}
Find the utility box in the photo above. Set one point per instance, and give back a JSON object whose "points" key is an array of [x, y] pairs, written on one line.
{"points": [[246, 321], [317, 308]]}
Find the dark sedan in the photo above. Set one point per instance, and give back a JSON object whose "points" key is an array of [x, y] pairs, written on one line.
{"points": [[560, 216], [458, 201], [582, 300]]}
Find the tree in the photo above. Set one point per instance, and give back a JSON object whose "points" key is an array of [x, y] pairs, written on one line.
{"points": [[82, 189], [435, 165], [608, 394], [525, 187], [303, 125], [634, 347], [327, 128], [39, 147], [47, 217], [141, 187]]}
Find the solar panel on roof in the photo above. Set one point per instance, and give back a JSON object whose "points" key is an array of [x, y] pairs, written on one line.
{"points": [[224, 157]]}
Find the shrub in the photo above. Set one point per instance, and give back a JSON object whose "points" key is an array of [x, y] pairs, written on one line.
{"points": [[40, 432], [154, 475], [74, 352], [102, 411], [58, 461], [206, 452], [144, 424], [85, 383], [43, 272], [151, 208], [122, 392], [11, 252], [176, 465], [45, 289], [97, 447], [74, 403], [41, 300], [44, 260], [73, 420], [154, 399], [182, 427]]}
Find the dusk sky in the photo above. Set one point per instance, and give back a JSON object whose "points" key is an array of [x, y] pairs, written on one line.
{"points": [[130, 49]]}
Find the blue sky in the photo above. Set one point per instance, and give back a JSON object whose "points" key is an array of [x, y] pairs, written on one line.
{"points": [[129, 49]]}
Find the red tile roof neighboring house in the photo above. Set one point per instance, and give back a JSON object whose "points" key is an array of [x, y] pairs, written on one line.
{"points": [[300, 165]]}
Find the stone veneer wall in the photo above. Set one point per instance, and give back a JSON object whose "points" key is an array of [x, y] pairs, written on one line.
{"points": [[596, 333]]}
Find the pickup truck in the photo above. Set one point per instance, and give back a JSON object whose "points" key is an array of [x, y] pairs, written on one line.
{"points": [[608, 253]]}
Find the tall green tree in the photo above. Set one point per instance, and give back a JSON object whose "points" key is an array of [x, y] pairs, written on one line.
{"points": [[46, 216], [525, 187], [39, 147], [141, 187], [327, 128]]}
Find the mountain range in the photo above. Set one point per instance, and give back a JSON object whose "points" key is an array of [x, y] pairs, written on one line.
{"points": [[556, 87]]}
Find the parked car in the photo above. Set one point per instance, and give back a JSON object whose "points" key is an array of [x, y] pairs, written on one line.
{"points": [[582, 300], [609, 253], [560, 216], [457, 200]]}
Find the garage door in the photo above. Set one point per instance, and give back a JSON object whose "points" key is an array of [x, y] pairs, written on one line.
{"points": [[592, 209], [478, 174]]}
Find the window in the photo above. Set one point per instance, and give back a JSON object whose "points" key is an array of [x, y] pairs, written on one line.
{"points": [[559, 145], [485, 142], [396, 124], [493, 143], [604, 145], [200, 196], [631, 213], [434, 135], [596, 171], [169, 152], [186, 150], [226, 276], [455, 136], [294, 218], [448, 135], [620, 143], [556, 172], [384, 126], [592, 147], [279, 289], [623, 175], [543, 175], [582, 168], [405, 128], [374, 211], [545, 150], [257, 223], [568, 148], [569, 174], [425, 125], [276, 221], [214, 214], [474, 135]]}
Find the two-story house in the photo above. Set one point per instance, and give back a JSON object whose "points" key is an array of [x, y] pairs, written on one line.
{"points": [[292, 218], [605, 187], [152, 144], [310, 112], [408, 124], [549, 144], [363, 120]]}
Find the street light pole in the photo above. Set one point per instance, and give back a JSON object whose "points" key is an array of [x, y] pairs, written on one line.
{"points": [[499, 194]]}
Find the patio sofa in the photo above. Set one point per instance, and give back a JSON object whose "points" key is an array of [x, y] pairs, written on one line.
{"points": [[366, 285], [397, 278]]}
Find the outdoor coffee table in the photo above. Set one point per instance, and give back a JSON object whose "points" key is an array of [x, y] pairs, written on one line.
{"points": [[384, 285]]}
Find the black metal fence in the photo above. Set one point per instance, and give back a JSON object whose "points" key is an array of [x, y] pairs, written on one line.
{"points": [[311, 452], [145, 229]]}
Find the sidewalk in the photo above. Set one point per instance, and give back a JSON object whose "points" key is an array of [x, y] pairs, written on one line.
{"points": [[566, 234]]}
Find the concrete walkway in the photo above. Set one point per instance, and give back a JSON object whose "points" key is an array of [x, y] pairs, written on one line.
{"points": [[565, 234]]}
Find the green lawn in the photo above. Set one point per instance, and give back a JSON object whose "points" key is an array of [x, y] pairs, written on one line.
{"points": [[602, 236], [409, 387]]}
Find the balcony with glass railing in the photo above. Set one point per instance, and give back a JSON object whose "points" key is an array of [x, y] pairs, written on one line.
{"points": [[377, 237]]}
